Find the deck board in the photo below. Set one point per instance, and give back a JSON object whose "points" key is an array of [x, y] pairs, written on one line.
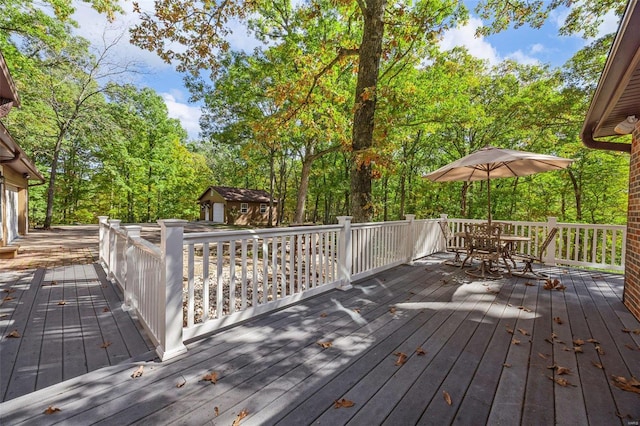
{"points": [[273, 367]]}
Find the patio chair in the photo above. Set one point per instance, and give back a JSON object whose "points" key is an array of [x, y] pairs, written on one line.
{"points": [[452, 246], [528, 259], [483, 243]]}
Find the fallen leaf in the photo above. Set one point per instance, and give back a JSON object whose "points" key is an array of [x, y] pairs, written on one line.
{"points": [[629, 347], [392, 309], [523, 332], [402, 358], [356, 310], [420, 352], [323, 315], [558, 320], [51, 409], [241, 415], [577, 349], [515, 341], [629, 385], [562, 370], [546, 339], [105, 310], [529, 283], [138, 372], [626, 330], [597, 364], [182, 383], [561, 287], [636, 331], [592, 341], [561, 381], [578, 342], [343, 403], [8, 298], [105, 344], [509, 330], [543, 356], [14, 334], [9, 290], [216, 410], [506, 365], [62, 302], [599, 349], [447, 397], [325, 345], [211, 377]]}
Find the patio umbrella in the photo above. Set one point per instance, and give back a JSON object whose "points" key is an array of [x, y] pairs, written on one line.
{"points": [[491, 162]]}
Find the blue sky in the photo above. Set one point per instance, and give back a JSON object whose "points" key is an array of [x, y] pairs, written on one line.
{"points": [[525, 45]]}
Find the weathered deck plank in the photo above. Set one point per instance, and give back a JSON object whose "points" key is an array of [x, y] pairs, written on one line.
{"points": [[273, 367]]}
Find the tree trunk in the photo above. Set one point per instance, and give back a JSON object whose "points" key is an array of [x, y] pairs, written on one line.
{"points": [[365, 105], [52, 179], [577, 194], [302, 190]]}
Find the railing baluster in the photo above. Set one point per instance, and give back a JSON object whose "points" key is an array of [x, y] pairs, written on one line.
{"points": [[232, 276], [191, 297], [206, 282], [243, 265], [219, 280]]}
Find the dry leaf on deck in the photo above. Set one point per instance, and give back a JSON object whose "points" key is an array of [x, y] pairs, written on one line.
{"points": [[420, 352], [211, 377], [523, 332], [7, 298], [597, 364], [356, 310], [62, 302], [578, 342], [138, 372], [599, 349], [543, 356], [561, 381], [9, 290], [509, 330], [562, 370], [506, 365], [447, 397], [402, 358], [558, 320], [515, 341], [629, 385], [343, 403], [636, 331], [577, 349], [50, 410], [241, 415], [392, 309], [216, 410], [626, 330], [105, 344], [325, 345], [592, 341], [14, 334], [323, 315], [629, 347], [529, 283], [182, 383], [105, 310]]}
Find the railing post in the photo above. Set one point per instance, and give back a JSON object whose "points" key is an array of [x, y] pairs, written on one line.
{"points": [[113, 224], [171, 246], [344, 253], [550, 256], [410, 238], [102, 225], [133, 232]]}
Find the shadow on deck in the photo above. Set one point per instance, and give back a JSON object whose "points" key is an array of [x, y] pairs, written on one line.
{"points": [[419, 344]]}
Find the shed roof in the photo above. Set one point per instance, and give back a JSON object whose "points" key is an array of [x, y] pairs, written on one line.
{"points": [[240, 194], [617, 95]]}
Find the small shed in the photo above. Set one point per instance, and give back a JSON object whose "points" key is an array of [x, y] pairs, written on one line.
{"points": [[16, 171], [236, 206]]}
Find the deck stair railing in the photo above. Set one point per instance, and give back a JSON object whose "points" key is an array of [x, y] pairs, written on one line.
{"points": [[196, 283]]}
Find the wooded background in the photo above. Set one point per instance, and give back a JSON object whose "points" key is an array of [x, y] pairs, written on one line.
{"points": [[293, 117]]}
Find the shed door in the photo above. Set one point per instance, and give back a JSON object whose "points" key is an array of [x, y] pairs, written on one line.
{"points": [[218, 212], [12, 214]]}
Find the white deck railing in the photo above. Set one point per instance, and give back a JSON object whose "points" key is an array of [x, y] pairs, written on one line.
{"points": [[197, 283]]}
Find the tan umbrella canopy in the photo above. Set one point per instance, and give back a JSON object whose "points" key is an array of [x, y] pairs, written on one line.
{"points": [[491, 162]]}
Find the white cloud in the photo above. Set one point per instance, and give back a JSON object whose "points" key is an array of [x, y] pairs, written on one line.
{"points": [[537, 48], [189, 115], [465, 36], [522, 58]]}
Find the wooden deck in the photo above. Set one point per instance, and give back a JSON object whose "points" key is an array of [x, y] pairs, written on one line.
{"points": [[61, 323], [488, 346]]}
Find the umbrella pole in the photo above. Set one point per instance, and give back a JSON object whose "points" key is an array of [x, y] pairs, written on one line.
{"points": [[489, 195]]}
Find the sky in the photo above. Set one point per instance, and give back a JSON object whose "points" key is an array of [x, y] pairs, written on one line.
{"points": [[524, 45]]}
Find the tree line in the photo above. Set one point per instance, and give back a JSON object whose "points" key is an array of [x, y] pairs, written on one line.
{"points": [[299, 118]]}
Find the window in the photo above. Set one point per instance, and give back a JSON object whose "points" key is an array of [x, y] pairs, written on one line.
{"points": [[263, 208], [244, 207]]}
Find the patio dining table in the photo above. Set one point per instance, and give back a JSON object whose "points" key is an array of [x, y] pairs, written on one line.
{"points": [[508, 242]]}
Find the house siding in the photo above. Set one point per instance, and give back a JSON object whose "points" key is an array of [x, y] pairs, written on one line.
{"points": [[632, 260]]}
